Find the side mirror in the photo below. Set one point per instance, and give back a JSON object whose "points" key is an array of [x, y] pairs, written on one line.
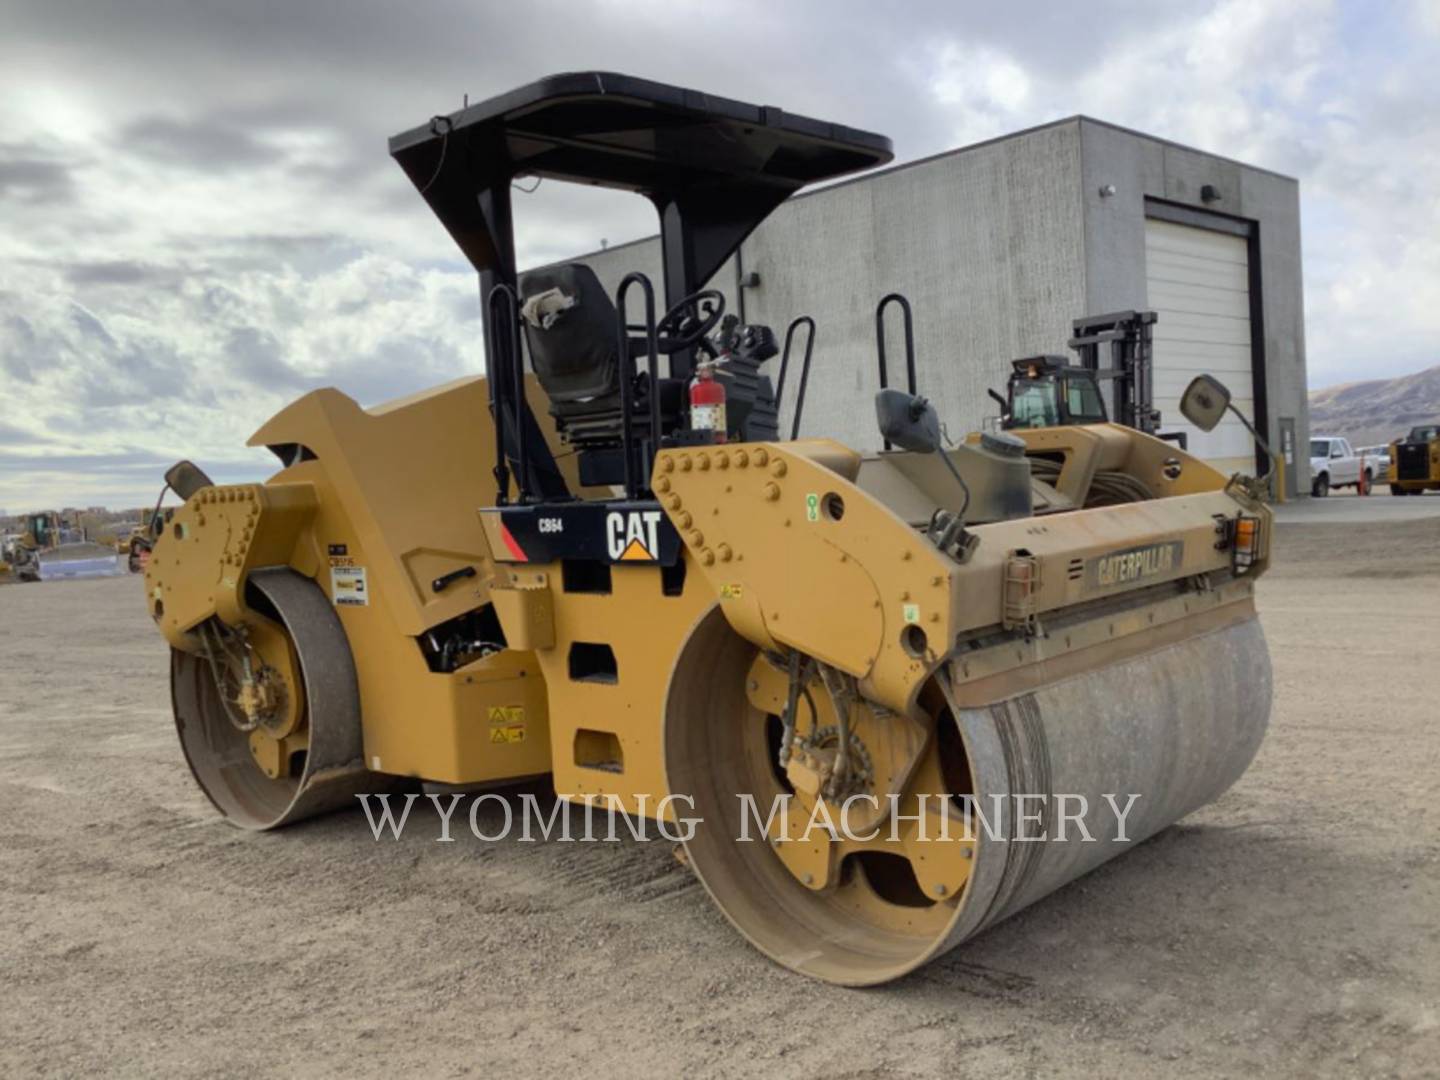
{"points": [[1204, 402], [186, 478], [909, 422]]}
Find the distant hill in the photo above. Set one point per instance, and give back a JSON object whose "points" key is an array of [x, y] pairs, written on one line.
{"points": [[1377, 410]]}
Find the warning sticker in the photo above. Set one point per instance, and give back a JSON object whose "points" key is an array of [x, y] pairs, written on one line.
{"points": [[348, 586], [912, 613], [730, 592], [507, 724], [812, 507]]}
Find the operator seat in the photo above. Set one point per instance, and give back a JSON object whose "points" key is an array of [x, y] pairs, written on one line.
{"points": [[570, 331]]}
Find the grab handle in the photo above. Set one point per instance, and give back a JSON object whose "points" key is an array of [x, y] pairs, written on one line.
{"points": [[809, 323], [885, 302]]}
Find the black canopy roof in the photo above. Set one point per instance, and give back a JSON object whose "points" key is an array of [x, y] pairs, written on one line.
{"points": [[713, 167]]}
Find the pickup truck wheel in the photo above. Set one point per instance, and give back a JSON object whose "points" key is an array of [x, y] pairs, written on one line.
{"points": [[1321, 487], [1396, 489]]}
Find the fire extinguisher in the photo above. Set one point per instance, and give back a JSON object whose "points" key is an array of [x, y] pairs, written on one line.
{"points": [[707, 401]]}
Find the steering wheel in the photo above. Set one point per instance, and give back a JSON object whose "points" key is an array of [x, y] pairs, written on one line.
{"points": [[688, 322]]}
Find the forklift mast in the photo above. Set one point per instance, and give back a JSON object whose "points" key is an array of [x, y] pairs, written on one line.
{"points": [[1129, 337]]}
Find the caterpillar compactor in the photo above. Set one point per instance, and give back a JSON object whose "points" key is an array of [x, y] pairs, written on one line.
{"points": [[556, 569], [1415, 461]]}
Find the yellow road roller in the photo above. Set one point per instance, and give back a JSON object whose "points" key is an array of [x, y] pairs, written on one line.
{"points": [[882, 682]]}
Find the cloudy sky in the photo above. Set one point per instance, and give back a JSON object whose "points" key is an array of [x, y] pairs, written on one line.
{"points": [[199, 220]]}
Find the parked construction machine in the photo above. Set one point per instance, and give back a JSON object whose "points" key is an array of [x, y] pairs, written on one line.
{"points": [[1050, 390], [1415, 461], [135, 541], [44, 531], [594, 570]]}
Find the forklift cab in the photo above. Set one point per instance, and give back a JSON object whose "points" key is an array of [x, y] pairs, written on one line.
{"points": [[616, 375], [1047, 391]]}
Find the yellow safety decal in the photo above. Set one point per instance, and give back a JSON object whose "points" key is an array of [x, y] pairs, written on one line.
{"points": [[507, 714], [730, 592], [507, 723]]}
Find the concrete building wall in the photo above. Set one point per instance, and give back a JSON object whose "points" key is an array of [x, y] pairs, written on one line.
{"points": [[999, 247], [987, 245]]}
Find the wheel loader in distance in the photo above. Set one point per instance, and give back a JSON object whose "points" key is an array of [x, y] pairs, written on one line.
{"points": [[1415, 461], [565, 572]]}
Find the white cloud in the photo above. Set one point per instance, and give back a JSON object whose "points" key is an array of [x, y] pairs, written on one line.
{"points": [[191, 369], [1336, 96], [978, 79], [1427, 13], [198, 219]]}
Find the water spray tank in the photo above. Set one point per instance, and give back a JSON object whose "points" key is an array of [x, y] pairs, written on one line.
{"points": [[998, 474]]}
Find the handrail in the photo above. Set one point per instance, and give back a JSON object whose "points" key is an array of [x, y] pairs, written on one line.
{"points": [[627, 375], [795, 324], [493, 350], [886, 301]]}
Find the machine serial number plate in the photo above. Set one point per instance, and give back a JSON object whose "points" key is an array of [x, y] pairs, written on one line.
{"points": [[347, 585], [1134, 564]]}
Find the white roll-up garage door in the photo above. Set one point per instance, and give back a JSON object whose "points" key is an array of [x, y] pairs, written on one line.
{"points": [[1199, 284]]}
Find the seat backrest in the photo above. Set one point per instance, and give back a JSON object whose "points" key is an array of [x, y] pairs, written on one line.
{"points": [[570, 329]]}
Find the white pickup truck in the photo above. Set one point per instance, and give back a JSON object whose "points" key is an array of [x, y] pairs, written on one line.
{"points": [[1333, 464]]}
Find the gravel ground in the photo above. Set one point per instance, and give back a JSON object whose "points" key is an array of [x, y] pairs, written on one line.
{"points": [[1293, 928]]}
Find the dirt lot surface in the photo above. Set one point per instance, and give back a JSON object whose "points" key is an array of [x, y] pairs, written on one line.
{"points": [[1293, 928]]}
